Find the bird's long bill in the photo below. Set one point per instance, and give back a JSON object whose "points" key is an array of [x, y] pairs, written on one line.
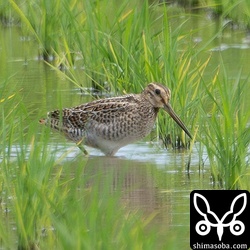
{"points": [[170, 111]]}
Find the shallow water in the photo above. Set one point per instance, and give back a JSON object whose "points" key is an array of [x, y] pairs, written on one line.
{"points": [[37, 82]]}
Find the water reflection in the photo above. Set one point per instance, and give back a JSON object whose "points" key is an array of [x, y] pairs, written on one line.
{"points": [[132, 177], [163, 193], [156, 185], [151, 179], [138, 166], [146, 178]]}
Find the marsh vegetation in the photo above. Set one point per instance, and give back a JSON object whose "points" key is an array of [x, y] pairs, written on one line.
{"points": [[59, 53]]}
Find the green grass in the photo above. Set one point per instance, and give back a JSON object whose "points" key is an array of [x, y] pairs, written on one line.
{"points": [[235, 13], [124, 50], [226, 131], [49, 200]]}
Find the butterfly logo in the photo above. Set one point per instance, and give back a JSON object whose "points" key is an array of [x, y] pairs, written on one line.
{"points": [[203, 227]]}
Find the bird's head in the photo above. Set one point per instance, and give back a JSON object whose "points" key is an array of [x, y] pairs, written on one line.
{"points": [[159, 97]]}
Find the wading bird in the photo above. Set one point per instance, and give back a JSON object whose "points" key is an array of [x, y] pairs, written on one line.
{"points": [[111, 123]]}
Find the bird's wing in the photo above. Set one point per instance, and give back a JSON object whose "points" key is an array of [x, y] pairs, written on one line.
{"points": [[100, 111]]}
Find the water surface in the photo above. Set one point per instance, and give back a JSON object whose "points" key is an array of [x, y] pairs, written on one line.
{"points": [[42, 88]]}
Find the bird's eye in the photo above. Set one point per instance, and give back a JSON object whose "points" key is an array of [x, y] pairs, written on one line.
{"points": [[157, 91]]}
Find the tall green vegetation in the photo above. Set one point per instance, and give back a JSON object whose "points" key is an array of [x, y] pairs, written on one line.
{"points": [[49, 201], [118, 47], [235, 13], [226, 131], [122, 50], [232, 12]]}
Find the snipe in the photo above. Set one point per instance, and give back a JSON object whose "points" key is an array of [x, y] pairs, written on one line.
{"points": [[111, 123]]}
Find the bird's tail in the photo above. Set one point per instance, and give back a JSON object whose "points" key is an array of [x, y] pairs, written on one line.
{"points": [[43, 121], [59, 123], [54, 123]]}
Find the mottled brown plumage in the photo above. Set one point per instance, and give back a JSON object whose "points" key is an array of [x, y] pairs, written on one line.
{"points": [[111, 123]]}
